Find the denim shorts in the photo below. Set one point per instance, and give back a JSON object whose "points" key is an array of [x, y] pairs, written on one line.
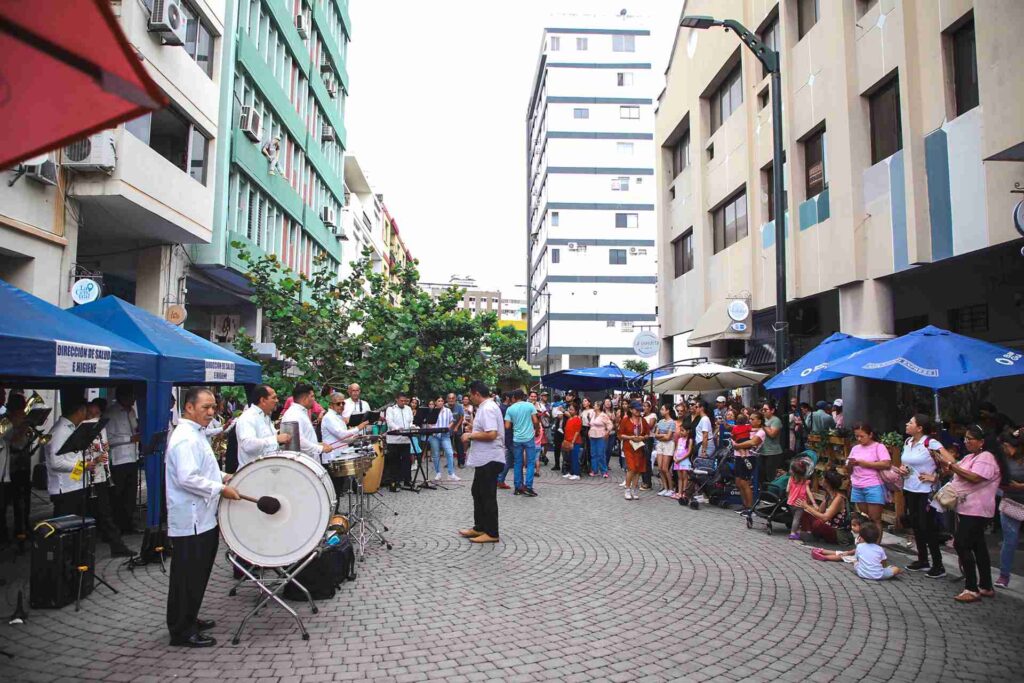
{"points": [[868, 494]]}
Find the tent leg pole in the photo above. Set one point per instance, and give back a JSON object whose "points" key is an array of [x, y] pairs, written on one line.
{"points": [[938, 418]]}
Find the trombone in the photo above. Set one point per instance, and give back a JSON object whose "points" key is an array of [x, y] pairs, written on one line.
{"points": [[7, 425]]}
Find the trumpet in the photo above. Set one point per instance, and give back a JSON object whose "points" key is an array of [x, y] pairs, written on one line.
{"points": [[7, 425]]}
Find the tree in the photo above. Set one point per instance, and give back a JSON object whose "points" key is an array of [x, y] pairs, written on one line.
{"points": [[507, 348], [636, 365]]}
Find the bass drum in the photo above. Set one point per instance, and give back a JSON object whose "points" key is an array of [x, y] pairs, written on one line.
{"points": [[289, 535]]}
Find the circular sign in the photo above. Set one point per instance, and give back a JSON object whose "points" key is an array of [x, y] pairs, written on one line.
{"points": [[738, 310], [1018, 217], [176, 314], [646, 344], [85, 291]]}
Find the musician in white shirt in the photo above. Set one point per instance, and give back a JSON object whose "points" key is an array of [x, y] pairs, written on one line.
{"points": [[354, 404], [396, 460], [333, 427], [254, 430], [195, 486], [98, 497], [123, 431], [302, 399], [65, 480]]}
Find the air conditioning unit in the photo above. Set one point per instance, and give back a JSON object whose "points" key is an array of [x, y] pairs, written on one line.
{"points": [[44, 173], [251, 124], [302, 25], [168, 19], [328, 217], [94, 153], [332, 88], [573, 246], [327, 135], [325, 66]]}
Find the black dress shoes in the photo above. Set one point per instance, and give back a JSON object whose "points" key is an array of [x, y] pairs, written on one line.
{"points": [[195, 640], [205, 624]]}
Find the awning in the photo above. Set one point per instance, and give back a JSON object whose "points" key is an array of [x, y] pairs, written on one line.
{"points": [[46, 346], [716, 323], [760, 355]]}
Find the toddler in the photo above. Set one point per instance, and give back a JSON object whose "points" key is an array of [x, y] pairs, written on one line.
{"points": [[741, 430], [856, 520], [798, 491], [872, 563]]}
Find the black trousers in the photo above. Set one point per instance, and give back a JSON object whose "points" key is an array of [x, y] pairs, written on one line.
{"points": [[922, 520], [396, 464], [969, 541], [17, 492], [485, 498], [192, 561], [123, 495], [460, 449], [99, 508]]}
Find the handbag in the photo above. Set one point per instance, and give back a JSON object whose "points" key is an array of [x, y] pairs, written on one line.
{"points": [[1012, 509], [947, 497]]}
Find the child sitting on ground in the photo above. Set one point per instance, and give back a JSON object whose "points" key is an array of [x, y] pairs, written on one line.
{"points": [[798, 490], [872, 563], [856, 520]]}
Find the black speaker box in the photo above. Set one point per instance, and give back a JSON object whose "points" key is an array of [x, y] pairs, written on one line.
{"points": [[59, 546]]}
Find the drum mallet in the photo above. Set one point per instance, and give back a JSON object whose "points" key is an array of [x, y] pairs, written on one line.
{"points": [[266, 504]]}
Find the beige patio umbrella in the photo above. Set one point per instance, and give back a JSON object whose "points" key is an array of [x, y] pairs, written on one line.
{"points": [[705, 377]]}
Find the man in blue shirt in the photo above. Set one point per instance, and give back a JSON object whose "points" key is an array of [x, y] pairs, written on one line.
{"points": [[522, 421]]}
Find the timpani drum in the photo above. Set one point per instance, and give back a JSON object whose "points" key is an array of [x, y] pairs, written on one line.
{"points": [[307, 498]]}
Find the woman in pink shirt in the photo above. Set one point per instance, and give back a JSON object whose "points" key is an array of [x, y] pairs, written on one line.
{"points": [[975, 479], [867, 459]]}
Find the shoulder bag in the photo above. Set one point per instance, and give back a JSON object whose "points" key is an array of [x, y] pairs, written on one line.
{"points": [[947, 497], [1012, 509]]}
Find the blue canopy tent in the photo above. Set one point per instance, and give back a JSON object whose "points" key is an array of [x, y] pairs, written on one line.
{"points": [[814, 366], [934, 358], [601, 378], [47, 347], [183, 358]]}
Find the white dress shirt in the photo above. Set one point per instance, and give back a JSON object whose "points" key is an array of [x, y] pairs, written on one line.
{"points": [[5, 456], [255, 434], [60, 469], [122, 425], [352, 407], [334, 430], [307, 435], [215, 427], [194, 482], [398, 418]]}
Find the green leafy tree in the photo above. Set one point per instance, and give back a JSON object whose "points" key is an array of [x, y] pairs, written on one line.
{"points": [[507, 347], [636, 365]]}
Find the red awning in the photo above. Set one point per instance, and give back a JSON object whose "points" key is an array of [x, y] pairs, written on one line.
{"points": [[66, 71]]}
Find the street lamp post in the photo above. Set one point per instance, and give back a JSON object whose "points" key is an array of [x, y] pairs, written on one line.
{"points": [[770, 59]]}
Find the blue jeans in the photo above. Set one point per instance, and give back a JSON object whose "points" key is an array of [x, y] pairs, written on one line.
{"points": [[439, 442], [574, 462], [1011, 537], [523, 450], [599, 455], [507, 467]]}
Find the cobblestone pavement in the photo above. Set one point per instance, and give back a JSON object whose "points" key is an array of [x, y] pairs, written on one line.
{"points": [[585, 586]]}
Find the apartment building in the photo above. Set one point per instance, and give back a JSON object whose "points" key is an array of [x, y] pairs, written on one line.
{"points": [[591, 219], [280, 185], [118, 205], [904, 137]]}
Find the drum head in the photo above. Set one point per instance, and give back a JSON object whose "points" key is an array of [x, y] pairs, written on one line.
{"points": [[291, 533]]}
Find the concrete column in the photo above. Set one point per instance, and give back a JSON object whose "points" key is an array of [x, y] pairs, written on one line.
{"points": [[159, 278], [866, 310]]}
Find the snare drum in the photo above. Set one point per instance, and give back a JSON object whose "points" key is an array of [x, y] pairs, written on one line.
{"points": [[307, 503]]}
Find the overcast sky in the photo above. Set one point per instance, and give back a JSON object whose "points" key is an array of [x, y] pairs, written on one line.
{"points": [[436, 117]]}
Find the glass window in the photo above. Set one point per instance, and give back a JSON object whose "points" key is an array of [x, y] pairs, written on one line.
{"points": [[620, 184], [681, 154], [556, 44], [623, 43], [626, 220], [814, 164], [965, 69], [581, 44], [556, 256], [807, 12], [624, 78], [682, 253], [624, 148], [627, 112], [617, 257], [554, 219], [172, 136], [886, 130], [727, 98], [581, 113], [729, 222], [770, 36], [197, 160]]}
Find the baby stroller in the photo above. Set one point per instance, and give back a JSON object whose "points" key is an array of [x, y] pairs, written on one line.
{"points": [[712, 478], [771, 503]]}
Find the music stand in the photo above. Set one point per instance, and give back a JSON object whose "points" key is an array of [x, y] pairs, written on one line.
{"points": [[79, 442], [426, 416], [37, 416], [356, 419], [154, 542]]}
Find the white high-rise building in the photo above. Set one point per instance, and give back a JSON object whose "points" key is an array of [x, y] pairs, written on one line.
{"points": [[590, 192]]}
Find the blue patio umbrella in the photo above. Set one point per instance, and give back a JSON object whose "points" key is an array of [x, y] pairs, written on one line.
{"points": [[934, 358], [601, 378], [815, 365]]}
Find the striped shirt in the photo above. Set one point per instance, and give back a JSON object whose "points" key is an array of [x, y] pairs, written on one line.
{"points": [[444, 418]]}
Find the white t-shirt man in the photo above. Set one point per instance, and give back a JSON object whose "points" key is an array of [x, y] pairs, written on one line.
{"points": [[488, 418]]}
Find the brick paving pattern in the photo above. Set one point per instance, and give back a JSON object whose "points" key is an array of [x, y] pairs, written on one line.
{"points": [[585, 586]]}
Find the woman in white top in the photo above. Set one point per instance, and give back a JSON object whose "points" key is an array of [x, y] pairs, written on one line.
{"points": [[919, 478], [586, 415]]}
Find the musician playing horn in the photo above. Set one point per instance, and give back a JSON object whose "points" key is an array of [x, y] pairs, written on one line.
{"points": [[195, 485], [123, 430], [65, 476], [333, 427], [303, 398], [253, 428]]}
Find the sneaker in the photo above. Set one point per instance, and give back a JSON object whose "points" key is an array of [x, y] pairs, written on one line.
{"points": [[566, 475], [628, 495], [1003, 582], [530, 492], [636, 495], [592, 474], [454, 477], [437, 477], [645, 488], [519, 491], [605, 475], [503, 485], [623, 485], [742, 511], [794, 537], [936, 572], [919, 566], [574, 477]]}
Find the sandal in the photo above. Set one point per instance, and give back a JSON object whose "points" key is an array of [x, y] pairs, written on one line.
{"points": [[968, 596], [986, 593]]}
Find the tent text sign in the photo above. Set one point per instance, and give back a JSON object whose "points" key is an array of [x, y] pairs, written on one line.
{"points": [[82, 360], [220, 371]]}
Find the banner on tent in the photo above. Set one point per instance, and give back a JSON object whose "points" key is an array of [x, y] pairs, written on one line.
{"points": [[81, 360], [220, 371]]}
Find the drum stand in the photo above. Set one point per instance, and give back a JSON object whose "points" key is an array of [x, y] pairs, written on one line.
{"points": [[271, 588], [363, 518]]}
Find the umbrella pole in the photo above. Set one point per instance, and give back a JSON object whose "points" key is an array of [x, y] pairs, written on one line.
{"points": [[935, 394]]}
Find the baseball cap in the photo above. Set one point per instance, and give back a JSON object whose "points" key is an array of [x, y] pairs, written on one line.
{"points": [[636, 405], [821, 405], [720, 399], [838, 403]]}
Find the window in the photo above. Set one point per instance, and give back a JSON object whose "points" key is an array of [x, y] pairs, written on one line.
{"points": [[864, 6], [814, 164], [624, 78], [581, 44], [556, 44], [623, 43], [770, 36], [556, 256], [198, 40], [617, 257], [727, 98], [626, 220], [730, 222], [681, 154], [806, 15], [624, 148], [764, 98], [554, 219], [627, 112], [769, 189], [886, 132], [620, 184], [581, 113], [969, 319], [175, 138], [965, 69], [682, 253]]}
